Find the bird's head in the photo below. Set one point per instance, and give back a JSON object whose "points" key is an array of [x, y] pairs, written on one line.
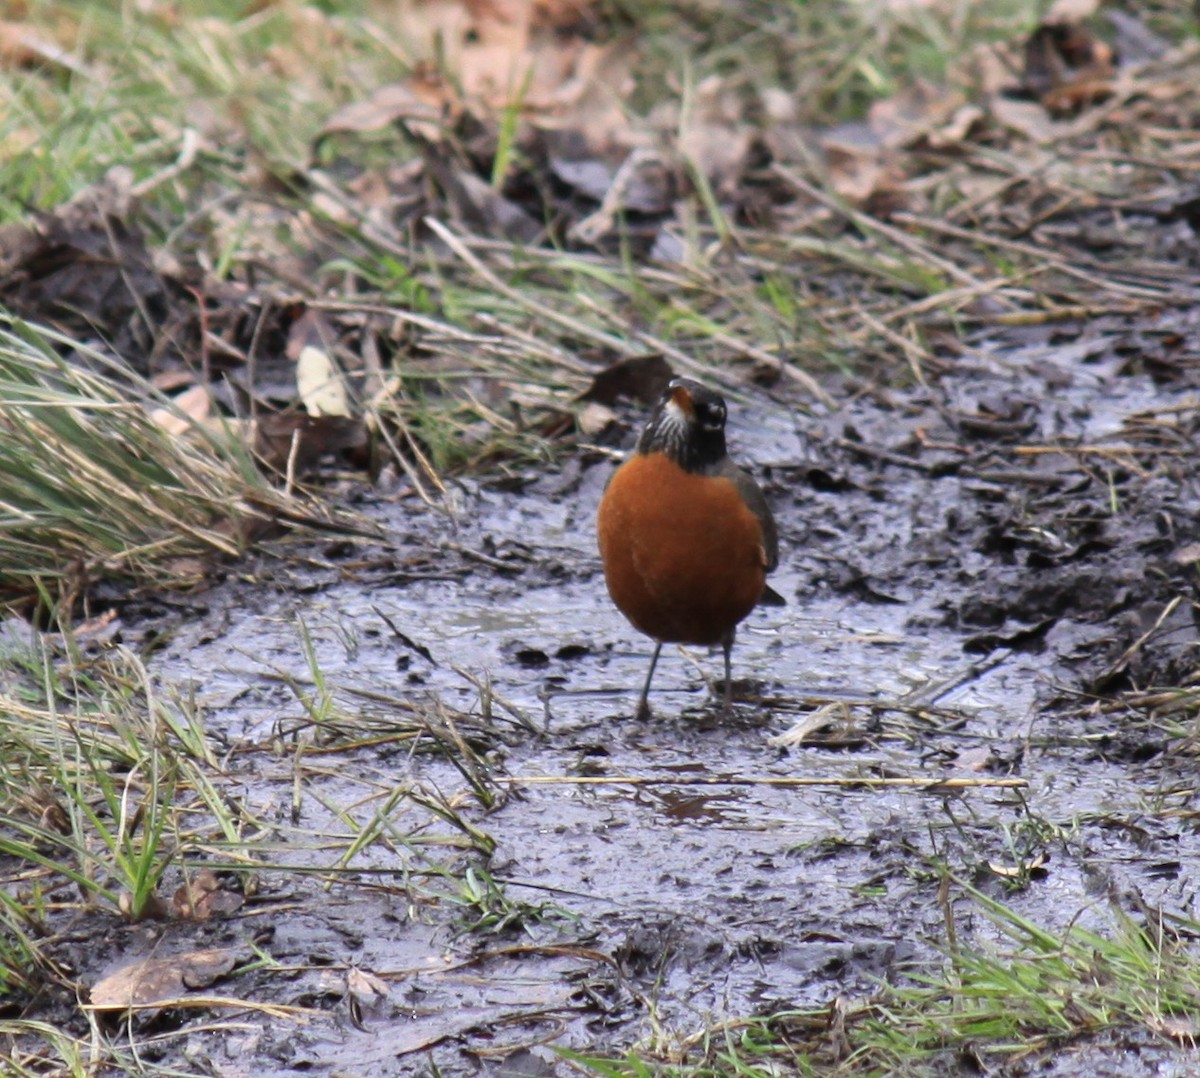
{"points": [[688, 425]]}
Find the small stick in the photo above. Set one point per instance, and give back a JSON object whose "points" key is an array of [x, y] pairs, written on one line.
{"points": [[959, 783], [1099, 450]]}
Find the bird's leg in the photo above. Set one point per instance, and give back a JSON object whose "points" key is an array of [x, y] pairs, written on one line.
{"points": [[727, 647], [643, 708]]}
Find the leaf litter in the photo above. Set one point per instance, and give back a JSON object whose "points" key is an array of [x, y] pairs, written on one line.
{"points": [[992, 552]]}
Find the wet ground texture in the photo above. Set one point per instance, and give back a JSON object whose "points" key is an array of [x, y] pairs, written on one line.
{"points": [[987, 577]]}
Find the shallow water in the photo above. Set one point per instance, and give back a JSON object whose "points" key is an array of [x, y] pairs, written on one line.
{"points": [[953, 588]]}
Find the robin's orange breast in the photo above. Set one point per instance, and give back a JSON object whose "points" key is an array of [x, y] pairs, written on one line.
{"points": [[683, 554]]}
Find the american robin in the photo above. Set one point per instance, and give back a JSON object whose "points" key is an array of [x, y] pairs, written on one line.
{"points": [[686, 536]]}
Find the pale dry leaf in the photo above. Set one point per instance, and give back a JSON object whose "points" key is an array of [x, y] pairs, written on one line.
{"points": [[921, 113], [172, 379], [954, 131], [1072, 10], [1030, 866], [1177, 1027], [802, 730], [1026, 118], [195, 404], [333, 209], [185, 572], [715, 136], [988, 69], [322, 390], [974, 759], [595, 419], [371, 191], [1187, 554], [416, 103], [419, 25], [100, 625], [365, 986], [859, 164], [311, 33], [855, 177]]}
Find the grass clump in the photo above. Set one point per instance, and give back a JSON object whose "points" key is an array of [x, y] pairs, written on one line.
{"points": [[118, 806], [93, 772], [92, 485], [988, 1004], [1053, 988]]}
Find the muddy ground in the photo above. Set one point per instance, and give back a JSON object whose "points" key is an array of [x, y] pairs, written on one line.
{"points": [[975, 572]]}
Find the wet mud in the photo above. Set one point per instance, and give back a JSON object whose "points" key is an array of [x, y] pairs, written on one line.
{"points": [[976, 571]]}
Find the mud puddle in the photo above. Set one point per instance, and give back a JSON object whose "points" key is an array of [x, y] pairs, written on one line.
{"points": [[972, 570]]}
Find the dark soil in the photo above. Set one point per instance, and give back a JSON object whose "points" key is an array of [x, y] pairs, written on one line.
{"points": [[975, 572]]}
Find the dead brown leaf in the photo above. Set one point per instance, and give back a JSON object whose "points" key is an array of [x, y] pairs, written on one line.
{"points": [[480, 58], [21, 47], [153, 909], [640, 378], [1067, 68], [205, 896], [481, 208], [497, 52], [189, 572], [301, 440], [85, 268], [40, 802], [161, 980]]}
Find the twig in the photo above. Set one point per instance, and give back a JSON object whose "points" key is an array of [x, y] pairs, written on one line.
{"points": [[867, 223], [949, 783], [1050, 261], [873, 453], [189, 144], [1098, 450], [1136, 646], [914, 353], [780, 364], [459, 248]]}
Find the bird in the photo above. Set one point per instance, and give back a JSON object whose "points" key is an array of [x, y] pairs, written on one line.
{"points": [[686, 537]]}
